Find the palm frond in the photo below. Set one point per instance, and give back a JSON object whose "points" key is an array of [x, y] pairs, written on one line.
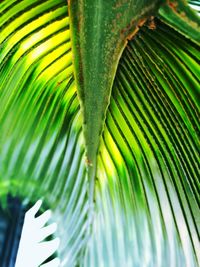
{"points": [[147, 181], [148, 187], [41, 141], [180, 16], [195, 5]]}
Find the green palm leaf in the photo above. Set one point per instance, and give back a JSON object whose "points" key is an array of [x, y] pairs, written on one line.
{"points": [[145, 210], [155, 153]]}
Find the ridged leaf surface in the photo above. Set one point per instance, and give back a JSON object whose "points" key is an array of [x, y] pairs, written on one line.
{"points": [[147, 181]]}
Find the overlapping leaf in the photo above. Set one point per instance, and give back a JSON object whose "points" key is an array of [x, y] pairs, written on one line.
{"points": [[149, 193], [41, 140]]}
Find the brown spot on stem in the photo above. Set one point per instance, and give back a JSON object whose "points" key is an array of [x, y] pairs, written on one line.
{"points": [[138, 26], [173, 5], [88, 162], [151, 23]]}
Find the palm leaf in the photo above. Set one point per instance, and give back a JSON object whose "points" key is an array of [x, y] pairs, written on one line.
{"points": [[40, 119], [155, 147], [146, 185]]}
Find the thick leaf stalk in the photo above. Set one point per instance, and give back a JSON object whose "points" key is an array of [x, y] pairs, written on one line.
{"points": [[99, 31]]}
